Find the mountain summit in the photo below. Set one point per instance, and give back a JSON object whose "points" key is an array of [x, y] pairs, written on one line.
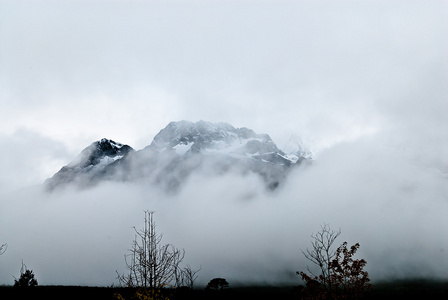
{"points": [[102, 152], [90, 164], [186, 137], [178, 150]]}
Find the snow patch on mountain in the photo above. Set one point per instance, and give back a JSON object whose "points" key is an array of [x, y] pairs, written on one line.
{"points": [[181, 148]]}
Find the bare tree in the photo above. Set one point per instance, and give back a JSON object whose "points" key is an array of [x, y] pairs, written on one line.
{"points": [[150, 264], [190, 276], [342, 277], [321, 253], [186, 277]]}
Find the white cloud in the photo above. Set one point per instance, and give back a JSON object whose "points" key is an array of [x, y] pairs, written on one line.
{"points": [[234, 229], [27, 158]]}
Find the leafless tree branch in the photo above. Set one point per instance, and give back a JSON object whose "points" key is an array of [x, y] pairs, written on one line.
{"points": [[322, 252], [150, 264], [3, 248]]}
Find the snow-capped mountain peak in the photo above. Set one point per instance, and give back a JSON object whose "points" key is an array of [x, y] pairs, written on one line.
{"points": [[178, 150], [296, 149], [186, 137], [186, 132], [105, 150]]}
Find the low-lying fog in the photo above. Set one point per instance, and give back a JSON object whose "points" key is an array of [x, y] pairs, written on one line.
{"points": [[382, 198]]}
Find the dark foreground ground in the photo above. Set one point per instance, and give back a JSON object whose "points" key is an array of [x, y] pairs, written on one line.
{"points": [[415, 289]]}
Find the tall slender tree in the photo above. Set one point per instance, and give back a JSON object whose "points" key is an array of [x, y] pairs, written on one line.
{"points": [[150, 264]]}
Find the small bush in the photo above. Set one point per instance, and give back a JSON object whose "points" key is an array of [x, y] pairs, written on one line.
{"points": [[217, 284], [26, 278]]}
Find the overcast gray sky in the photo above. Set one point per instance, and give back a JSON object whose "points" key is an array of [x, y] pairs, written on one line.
{"points": [[363, 83]]}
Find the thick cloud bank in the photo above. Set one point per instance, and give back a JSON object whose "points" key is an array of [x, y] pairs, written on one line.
{"points": [[391, 204]]}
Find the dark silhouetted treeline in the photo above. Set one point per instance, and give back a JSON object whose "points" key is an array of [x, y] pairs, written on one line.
{"points": [[397, 290]]}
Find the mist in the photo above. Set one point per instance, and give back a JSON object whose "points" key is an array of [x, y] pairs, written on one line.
{"points": [[232, 227], [362, 83]]}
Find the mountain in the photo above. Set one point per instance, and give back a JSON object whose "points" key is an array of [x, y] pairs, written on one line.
{"points": [[177, 151], [91, 164], [187, 138]]}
